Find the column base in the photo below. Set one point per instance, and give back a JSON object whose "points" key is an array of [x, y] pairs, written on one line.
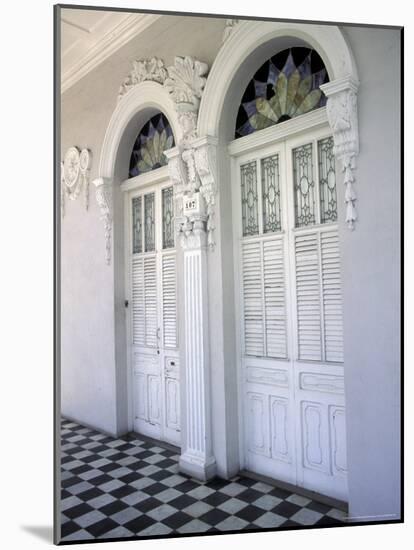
{"points": [[196, 466]]}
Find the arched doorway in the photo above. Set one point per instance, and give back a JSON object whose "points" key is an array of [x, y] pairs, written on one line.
{"points": [[145, 379], [288, 324], [151, 280]]}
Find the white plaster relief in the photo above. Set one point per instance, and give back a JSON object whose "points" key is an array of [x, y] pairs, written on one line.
{"points": [[74, 176], [192, 233], [229, 27], [342, 114], [146, 69], [205, 160], [103, 193], [191, 167], [186, 81]]}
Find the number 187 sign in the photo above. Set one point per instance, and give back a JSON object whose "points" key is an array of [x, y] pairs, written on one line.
{"points": [[192, 205]]}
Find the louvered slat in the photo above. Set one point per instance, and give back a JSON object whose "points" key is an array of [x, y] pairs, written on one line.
{"points": [[274, 298], [150, 301], [332, 296], [308, 296], [138, 322], [169, 301], [252, 296]]}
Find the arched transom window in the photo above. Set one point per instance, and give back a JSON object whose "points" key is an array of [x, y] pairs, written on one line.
{"points": [[285, 86], [148, 151]]}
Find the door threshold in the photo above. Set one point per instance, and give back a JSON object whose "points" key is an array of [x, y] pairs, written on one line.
{"points": [[323, 499], [156, 442]]}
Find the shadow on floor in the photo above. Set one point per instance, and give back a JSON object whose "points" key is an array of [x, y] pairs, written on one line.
{"points": [[43, 532]]}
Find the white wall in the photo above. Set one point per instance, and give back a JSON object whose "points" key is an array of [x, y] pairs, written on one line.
{"points": [[371, 261]]}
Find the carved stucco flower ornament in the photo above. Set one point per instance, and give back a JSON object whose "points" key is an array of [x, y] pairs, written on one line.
{"points": [[186, 82], [146, 69], [74, 175]]}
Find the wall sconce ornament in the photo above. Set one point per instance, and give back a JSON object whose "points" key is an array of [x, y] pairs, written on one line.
{"points": [[74, 175]]}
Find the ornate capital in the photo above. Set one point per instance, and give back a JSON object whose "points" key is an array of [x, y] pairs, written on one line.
{"points": [[342, 114], [145, 69], [103, 191], [74, 175], [192, 234], [192, 169]]}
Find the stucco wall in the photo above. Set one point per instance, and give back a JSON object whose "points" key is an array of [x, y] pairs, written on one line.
{"points": [[371, 280], [93, 387]]}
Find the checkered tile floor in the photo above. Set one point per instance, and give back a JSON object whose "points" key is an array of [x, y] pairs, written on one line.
{"points": [[129, 487]]}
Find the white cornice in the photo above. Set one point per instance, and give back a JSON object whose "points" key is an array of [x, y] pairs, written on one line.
{"points": [[106, 46]]}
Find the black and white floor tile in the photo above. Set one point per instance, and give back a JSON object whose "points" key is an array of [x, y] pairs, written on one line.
{"points": [[129, 487]]}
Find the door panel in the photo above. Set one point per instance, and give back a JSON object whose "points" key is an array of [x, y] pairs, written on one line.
{"points": [[279, 426], [153, 316], [291, 332], [258, 421]]}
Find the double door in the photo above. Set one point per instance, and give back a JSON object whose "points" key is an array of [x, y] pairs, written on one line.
{"points": [[154, 354], [290, 311]]}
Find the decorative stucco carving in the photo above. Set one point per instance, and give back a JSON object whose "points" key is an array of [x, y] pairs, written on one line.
{"points": [[186, 81], [74, 175], [342, 114], [205, 160], [103, 193], [228, 29], [191, 165], [185, 84], [177, 173], [192, 233], [145, 69], [193, 181], [193, 169], [190, 169]]}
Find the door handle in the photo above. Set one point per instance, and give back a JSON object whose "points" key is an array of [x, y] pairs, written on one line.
{"points": [[158, 340]]}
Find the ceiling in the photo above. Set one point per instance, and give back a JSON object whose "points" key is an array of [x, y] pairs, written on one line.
{"points": [[88, 37]]}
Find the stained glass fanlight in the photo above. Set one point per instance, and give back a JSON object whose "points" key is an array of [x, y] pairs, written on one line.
{"points": [[284, 87], [148, 151]]}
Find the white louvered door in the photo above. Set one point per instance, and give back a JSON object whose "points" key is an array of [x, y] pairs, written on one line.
{"points": [[290, 310], [154, 355]]}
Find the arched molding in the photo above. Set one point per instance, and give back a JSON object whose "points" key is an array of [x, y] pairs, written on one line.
{"points": [[248, 37], [247, 46], [133, 110], [138, 104]]}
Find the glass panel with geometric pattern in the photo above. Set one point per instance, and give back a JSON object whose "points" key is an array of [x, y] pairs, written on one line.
{"points": [[149, 214], [304, 186], [285, 86], [167, 218], [249, 199], [148, 151], [271, 194], [137, 225], [327, 180]]}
